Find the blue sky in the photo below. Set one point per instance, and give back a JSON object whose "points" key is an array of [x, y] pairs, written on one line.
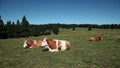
{"points": [[62, 11]]}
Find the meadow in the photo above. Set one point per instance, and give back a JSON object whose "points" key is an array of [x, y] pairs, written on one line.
{"points": [[83, 53]]}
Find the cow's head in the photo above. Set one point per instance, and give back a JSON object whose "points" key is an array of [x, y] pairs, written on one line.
{"points": [[25, 45], [44, 43]]}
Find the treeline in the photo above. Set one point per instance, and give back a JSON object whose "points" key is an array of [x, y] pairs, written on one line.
{"points": [[25, 29], [103, 26]]}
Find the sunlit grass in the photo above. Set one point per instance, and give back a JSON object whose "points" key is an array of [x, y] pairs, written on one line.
{"points": [[83, 53]]}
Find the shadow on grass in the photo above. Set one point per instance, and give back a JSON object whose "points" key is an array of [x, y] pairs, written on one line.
{"points": [[45, 49]]}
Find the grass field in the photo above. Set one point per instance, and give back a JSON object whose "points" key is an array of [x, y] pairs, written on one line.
{"points": [[83, 53]]}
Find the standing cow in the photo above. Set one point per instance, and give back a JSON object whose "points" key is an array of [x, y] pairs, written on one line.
{"points": [[56, 45]]}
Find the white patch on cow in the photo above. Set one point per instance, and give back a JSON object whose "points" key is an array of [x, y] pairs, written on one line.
{"points": [[44, 43], [53, 50], [46, 47], [30, 47], [63, 43], [25, 44]]}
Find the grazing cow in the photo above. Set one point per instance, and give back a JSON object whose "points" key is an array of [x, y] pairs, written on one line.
{"points": [[56, 45], [32, 43], [98, 38]]}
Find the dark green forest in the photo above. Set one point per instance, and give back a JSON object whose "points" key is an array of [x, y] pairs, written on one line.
{"points": [[23, 28]]}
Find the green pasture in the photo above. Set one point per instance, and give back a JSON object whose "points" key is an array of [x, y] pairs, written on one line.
{"points": [[83, 53]]}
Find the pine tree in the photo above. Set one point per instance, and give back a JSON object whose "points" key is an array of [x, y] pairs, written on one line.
{"points": [[25, 27], [24, 21], [1, 25], [2, 30]]}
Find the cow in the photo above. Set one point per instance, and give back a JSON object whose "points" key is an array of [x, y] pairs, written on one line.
{"points": [[32, 43], [55, 45], [98, 38]]}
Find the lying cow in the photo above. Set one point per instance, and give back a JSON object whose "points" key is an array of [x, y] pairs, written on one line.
{"points": [[56, 45], [98, 38], [32, 43]]}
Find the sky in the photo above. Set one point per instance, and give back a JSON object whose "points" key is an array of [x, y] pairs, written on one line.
{"points": [[61, 11]]}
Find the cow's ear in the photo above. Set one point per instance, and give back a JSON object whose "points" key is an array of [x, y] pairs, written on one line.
{"points": [[45, 38]]}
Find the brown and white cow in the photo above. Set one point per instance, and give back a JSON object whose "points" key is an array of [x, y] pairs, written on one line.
{"points": [[32, 43], [56, 45], [98, 38]]}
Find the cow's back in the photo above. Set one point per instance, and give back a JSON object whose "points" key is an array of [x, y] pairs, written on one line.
{"points": [[65, 45]]}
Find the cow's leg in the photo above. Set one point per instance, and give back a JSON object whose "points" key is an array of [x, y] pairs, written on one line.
{"points": [[32, 46], [53, 50]]}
